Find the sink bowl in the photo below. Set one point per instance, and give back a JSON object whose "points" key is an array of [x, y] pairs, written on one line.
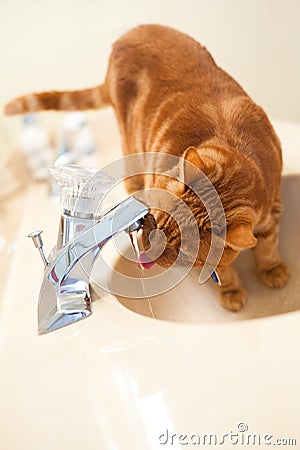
{"points": [[190, 302], [119, 379]]}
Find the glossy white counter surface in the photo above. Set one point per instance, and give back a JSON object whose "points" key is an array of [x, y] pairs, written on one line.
{"points": [[119, 380]]}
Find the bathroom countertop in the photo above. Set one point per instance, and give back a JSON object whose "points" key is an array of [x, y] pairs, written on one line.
{"points": [[120, 380]]}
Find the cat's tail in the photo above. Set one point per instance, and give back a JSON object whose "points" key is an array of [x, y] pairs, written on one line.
{"points": [[92, 98]]}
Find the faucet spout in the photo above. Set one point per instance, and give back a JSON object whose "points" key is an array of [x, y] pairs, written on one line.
{"points": [[65, 296]]}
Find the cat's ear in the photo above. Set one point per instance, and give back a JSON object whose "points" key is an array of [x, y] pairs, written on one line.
{"points": [[188, 172], [240, 237]]}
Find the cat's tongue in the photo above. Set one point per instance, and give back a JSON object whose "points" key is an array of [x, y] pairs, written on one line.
{"points": [[144, 261]]}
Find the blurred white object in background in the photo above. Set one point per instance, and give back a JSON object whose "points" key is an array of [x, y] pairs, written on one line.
{"points": [[5, 148], [35, 146], [9, 182], [74, 140]]}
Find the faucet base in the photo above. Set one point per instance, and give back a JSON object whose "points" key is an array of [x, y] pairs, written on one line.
{"points": [[54, 313]]}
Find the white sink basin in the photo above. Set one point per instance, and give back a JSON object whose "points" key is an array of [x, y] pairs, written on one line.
{"points": [[190, 302], [119, 379]]}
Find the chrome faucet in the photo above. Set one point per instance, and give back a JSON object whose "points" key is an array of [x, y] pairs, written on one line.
{"points": [[65, 296]]}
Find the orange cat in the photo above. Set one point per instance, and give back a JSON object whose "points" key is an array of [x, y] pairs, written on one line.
{"points": [[170, 96]]}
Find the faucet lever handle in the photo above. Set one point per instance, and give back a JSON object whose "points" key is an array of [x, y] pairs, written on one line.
{"points": [[38, 242]]}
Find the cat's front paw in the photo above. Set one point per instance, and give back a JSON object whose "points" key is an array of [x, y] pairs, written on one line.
{"points": [[233, 300], [276, 277]]}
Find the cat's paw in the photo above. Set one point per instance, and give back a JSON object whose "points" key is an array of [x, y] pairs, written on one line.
{"points": [[233, 300], [276, 277]]}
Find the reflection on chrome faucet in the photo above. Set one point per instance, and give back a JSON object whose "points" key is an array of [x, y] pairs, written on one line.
{"points": [[65, 296]]}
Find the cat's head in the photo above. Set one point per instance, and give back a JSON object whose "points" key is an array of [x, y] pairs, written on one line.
{"points": [[235, 180]]}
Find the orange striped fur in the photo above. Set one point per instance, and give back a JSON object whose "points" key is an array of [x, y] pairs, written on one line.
{"points": [[170, 96], [67, 101]]}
